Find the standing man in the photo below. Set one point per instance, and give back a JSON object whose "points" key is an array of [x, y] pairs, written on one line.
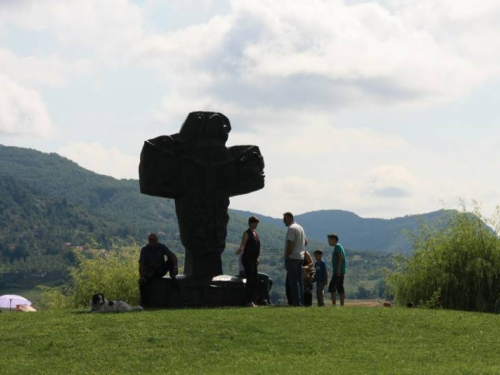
{"points": [[295, 244], [152, 265], [338, 269]]}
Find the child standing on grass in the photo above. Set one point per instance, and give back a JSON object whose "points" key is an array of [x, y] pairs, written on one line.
{"points": [[338, 269], [321, 276]]}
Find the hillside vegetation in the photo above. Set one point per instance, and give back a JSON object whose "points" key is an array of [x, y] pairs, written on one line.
{"points": [[252, 341], [51, 207], [51, 210], [454, 267]]}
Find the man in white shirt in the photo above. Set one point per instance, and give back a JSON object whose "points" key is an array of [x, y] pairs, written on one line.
{"points": [[295, 244]]}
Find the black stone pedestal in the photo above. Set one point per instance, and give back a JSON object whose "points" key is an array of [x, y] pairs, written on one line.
{"points": [[189, 292]]}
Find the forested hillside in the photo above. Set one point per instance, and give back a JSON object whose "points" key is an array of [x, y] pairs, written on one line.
{"points": [[51, 209], [116, 202]]}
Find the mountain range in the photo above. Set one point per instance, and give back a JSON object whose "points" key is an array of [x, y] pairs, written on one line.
{"points": [[118, 207], [49, 206], [355, 232]]}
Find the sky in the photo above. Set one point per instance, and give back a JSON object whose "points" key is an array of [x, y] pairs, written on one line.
{"points": [[384, 108]]}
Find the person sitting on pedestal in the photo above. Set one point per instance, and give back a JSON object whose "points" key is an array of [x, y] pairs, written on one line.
{"points": [[153, 265]]}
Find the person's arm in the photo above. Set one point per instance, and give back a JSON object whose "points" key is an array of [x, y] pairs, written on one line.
{"points": [[289, 248], [290, 242], [339, 262], [309, 261], [326, 272], [176, 264], [173, 257], [244, 241], [175, 261], [142, 278], [258, 251]]}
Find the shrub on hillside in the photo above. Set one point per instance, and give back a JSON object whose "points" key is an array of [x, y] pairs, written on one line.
{"points": [[113, 273], [456, 266]]}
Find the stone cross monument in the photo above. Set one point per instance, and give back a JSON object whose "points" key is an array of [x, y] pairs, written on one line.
{"points": [[195, 168]]}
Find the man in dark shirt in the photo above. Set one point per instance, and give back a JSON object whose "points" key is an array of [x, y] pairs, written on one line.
{"points": [[152, 265]]}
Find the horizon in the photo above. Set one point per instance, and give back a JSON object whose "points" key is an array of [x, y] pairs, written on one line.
{"points": [[277, 217], [384, 108]]}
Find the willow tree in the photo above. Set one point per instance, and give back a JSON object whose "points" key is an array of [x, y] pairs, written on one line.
{"points": [[455, 265]]}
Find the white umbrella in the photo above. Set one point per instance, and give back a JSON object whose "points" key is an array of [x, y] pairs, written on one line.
{"points": [[8, 301]]}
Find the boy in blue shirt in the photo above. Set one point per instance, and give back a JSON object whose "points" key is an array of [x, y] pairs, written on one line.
{"points": [[321, 276], [339, 266]]}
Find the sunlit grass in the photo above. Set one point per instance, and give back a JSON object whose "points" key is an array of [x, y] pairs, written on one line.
{"points": [[260, 340]]}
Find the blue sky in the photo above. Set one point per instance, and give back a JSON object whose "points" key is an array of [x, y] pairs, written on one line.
{"points": [[383, 108]]}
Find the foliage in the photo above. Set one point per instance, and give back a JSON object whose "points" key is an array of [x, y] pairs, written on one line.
{"points": [[252, 341], [456, 266], [434, 302], [53, 298], [119, 206], [51, 210], [364, 293], [113, 273]]}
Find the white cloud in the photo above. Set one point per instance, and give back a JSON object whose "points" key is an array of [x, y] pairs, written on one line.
{"points": [[174, 108], [322, 55], [283, 72], [316, 164], [319, 54], [109, 161], [32, 70], [22, 111], [390, 181], [110, 30]]}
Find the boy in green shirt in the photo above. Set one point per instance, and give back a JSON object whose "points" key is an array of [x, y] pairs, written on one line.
{"points": [[338, 270]]}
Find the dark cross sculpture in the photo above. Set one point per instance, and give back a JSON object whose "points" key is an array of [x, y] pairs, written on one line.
{"points": [[195, 168]]}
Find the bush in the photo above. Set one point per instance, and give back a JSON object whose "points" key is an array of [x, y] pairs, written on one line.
{"points": [[364, 293], [454, 266], [113, 273]]}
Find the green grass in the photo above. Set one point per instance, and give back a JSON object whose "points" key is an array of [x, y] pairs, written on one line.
{"points": [[254, 341]]}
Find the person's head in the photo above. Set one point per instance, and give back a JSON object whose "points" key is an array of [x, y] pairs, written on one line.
{"points": [[318, 255], [288, 218], [153, 239], [253, 223], [333, 239]]}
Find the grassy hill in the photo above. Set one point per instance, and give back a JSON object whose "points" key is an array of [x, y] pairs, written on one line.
{"points": [[352, 340]]}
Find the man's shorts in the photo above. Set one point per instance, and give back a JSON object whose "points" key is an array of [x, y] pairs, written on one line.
{"points": [[336, 284]]}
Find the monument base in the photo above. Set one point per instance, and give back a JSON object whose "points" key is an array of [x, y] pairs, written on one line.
{"points": [[185, 291]]}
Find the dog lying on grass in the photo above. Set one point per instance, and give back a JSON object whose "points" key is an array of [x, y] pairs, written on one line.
{"points": [[99, 304]]}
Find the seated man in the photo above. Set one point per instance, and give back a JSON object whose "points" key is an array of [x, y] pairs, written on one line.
{"points": [[152, 265]]}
